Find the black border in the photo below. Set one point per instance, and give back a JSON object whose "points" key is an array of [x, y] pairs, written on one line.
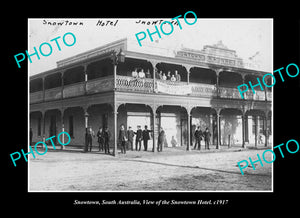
{"points": [[286, 50]]}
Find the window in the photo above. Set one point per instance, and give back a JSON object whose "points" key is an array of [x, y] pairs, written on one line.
{"points": [[260, 125]]}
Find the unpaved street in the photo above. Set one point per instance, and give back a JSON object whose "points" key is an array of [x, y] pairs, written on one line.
{"points": [[171, 170]]}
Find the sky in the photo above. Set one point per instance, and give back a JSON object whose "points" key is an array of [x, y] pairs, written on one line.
{"points": [[246, 36]]}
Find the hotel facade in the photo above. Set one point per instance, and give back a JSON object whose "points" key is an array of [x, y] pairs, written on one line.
{"points": [[96, 88]]}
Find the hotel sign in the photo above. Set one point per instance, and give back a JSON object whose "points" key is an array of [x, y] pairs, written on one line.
{"points": [[212, 54], [236, 62], [174, 88]]}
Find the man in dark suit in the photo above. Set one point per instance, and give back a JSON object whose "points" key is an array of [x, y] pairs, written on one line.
{"points": [[207, 138], [130, 135], [146, 137], [139, 137], [198, 137], [161, 139], [123, 138], [90, 135], [106, 137]]}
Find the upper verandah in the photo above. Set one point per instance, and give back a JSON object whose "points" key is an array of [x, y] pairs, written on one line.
{"points": [[211, 56]]}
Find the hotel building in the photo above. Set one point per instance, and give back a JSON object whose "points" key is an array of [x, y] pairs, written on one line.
{"points": [[96, 88]]}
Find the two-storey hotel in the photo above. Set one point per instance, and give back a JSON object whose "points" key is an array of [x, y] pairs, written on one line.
{"points": [[93, 89]]}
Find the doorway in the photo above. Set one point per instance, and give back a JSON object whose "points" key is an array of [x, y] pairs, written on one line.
{"points": [[141, 119]]}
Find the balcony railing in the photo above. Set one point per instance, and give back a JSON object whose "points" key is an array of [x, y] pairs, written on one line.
{"points": [[72, 90], [146, 85], [100, 85], [36, 97], [125, 83], [53, 94]]}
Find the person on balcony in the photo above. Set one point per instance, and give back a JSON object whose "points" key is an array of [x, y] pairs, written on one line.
{"points": [[164, 77], [141, 74], [160, 75], [177, 76], [148, 75], [169, 75], [134, 73], [173, 79], [157, 75]]}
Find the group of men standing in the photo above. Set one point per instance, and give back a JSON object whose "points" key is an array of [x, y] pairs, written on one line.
{"points": [[199, 135], [103, 135], [126, 137]]}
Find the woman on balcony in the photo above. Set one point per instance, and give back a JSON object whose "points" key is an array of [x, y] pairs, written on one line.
{"points": [[164, 77], [169, 75], [134, 73], [160, 75], [148, 75], [141, 74], [173, 79]]}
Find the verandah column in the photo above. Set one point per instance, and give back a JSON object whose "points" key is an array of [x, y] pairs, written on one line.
{"points": [[243, 130], [188, 71], [217, 71], [62, 127], [85, 78], [86, 121], [154, 108], [218, 111], [243, 124], [43, 125], [188, 110], [256, 118], [115, 115], [266, 128], [154, 72]]}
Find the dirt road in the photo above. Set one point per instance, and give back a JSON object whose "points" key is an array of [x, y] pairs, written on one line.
{"points": [[169, 170]]}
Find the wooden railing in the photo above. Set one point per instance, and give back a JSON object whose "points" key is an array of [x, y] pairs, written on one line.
{"points": [[52, 94], [100, 85], [36, 97], [146, 85], [126, 83], [72, 90]]}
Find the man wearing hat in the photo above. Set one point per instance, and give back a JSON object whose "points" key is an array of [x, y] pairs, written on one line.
{"points": [[90, 134], [146, 137], [130, 135], [139, 137]]}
